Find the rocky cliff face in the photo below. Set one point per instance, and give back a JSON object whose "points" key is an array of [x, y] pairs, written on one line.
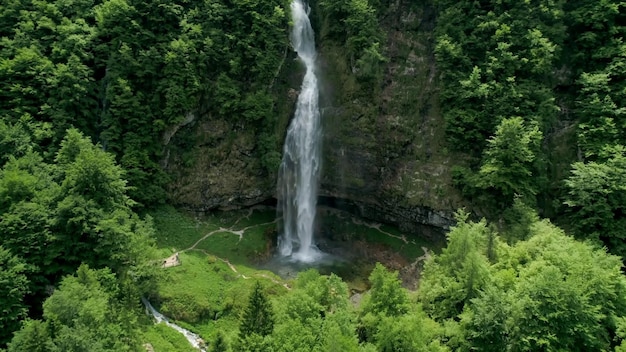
{"points": [[385, 156]]}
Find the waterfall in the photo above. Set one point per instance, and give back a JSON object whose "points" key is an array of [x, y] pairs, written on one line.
{"points": [[299, 170]]}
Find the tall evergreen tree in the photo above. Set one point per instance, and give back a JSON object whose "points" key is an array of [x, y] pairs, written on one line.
{"points": [[258, 317], [219, 345]]}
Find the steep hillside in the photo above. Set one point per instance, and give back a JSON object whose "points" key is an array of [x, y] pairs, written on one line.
{"points": [[384, 151], [384, 145]]}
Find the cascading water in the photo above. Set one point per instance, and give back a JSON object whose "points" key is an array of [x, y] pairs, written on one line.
{"points": [[299, 170], [193, 339]]}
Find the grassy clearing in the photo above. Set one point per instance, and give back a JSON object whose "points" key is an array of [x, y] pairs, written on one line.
{"points": [[177, 230], [247, 249], [205, 294], [165, 339], [203, 287], [255, 218]]}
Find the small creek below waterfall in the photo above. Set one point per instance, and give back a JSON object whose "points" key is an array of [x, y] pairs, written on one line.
{"points": [[193, 339], [299, 170]]}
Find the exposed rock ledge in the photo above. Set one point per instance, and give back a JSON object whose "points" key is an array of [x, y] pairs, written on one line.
{"points": [[416, 219]]}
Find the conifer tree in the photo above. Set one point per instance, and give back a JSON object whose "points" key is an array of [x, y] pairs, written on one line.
{"points": [[258, 317], [219, 345]]}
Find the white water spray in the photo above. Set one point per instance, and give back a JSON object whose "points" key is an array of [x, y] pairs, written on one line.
{"points": [[299, 171]]}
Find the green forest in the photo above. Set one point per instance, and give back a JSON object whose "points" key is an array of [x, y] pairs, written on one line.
{"points": [[102, 109]]}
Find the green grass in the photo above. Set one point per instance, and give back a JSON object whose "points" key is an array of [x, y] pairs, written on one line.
{"points": [[166, 339], [250, 248], [257, 217], [177, 230], [204, 293]]}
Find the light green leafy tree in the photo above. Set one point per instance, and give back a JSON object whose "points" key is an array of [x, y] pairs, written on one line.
{"points": [[83, 314], [386, 297], [452, 279], [548, 293], [33, 336], [318, 309], [508, 164], [596, 199], [410, 332]]}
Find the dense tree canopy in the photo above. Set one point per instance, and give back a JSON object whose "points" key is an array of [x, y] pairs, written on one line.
{"points": [[91, 90], [548, 293], [55, 216], [14, 285], [125, 71], [84, 314]]}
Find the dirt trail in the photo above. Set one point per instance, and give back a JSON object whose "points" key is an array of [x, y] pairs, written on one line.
{"points": [[238, 233], [410, 271], [230, 229]]}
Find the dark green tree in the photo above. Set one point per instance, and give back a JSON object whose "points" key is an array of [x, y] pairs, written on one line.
{"points": [[14, 285], [219, 343], [258, 316]]}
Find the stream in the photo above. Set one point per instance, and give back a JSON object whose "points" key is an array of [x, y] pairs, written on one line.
{"points": [[193, 339]]}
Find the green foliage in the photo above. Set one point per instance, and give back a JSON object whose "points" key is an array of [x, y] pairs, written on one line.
{"points": [[219, 344], [411, 332], [509, 159], [496, 61], [56, 216], [596, 199], [549, 292], [453, 278], [90, 173], [93, 210], [546, 291], [164, 338], [33, 336], [124, 72], [318, 309], [386, 295], [84, 314], [518, 220], [14, 285], [258, 317], [354, 24], [21, 136]]}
